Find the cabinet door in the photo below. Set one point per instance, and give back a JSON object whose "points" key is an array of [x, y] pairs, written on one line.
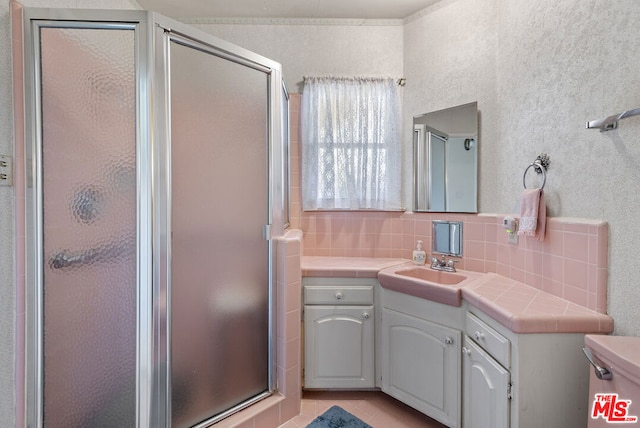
{"points": [[485, 385], [421, 365], [339, 349]]}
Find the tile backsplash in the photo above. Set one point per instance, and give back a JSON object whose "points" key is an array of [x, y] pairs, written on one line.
{"points": [[571, 262]]}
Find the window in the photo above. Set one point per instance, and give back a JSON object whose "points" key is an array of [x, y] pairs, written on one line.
{"points": [[351, 144]]}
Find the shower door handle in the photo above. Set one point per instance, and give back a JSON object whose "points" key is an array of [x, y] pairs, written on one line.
{"points": [[65, 259], [109, 252]]}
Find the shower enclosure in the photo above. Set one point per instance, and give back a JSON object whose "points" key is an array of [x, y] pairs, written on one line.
{"points": [[154, 184]]}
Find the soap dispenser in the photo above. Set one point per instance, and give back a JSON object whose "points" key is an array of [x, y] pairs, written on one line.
{"points": [[419, 256]]}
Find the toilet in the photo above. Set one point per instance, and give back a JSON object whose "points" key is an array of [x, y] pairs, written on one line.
{"points": [[614, 380]]}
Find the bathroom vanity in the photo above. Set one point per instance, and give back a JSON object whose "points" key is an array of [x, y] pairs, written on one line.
{"points": [[462, 368], [461, 355]]}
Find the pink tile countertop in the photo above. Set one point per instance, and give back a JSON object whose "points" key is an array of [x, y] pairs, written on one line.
{"points": [[346, 267], [517, 306], [525, 309]]}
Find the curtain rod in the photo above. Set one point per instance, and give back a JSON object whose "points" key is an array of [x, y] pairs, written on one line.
{"points": [[401, 81]]}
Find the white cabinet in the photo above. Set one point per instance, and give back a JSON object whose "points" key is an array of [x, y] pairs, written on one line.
{"points": [[540, 377], [455, 364], [420, 357], [485, 387], [486, 359], [339, 333]]}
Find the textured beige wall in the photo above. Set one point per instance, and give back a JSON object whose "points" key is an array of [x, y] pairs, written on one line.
{"points": [[314, 47], [450, 59], [559, 65], [539, 71]]}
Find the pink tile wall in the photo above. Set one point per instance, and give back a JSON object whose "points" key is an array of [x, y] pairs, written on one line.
{"points": [[572, 261], [294, 166], [289, 289]]}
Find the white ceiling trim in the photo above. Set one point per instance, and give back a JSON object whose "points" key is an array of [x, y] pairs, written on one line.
{"points": [[294, 21], [313, 9], [319, 21]]}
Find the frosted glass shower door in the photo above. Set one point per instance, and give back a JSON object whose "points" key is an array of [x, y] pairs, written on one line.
{"points": [[88, 150], [219, 305]]}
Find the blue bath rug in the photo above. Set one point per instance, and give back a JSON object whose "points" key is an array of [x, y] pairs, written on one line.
{"points": [[336, 417]]}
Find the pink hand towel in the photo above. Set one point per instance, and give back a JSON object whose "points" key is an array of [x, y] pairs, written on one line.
{"points": [[533, 214]]}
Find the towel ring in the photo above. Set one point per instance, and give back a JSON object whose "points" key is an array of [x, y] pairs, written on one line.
{"points": [[538, 166]]}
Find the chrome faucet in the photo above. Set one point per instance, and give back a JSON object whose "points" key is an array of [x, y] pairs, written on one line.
{"points": [[443, 264]]}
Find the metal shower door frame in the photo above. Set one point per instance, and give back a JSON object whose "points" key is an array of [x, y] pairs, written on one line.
{"points": [[152, 33], [165, 32]]}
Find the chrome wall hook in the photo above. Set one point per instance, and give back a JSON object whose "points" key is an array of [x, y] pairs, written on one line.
{"points": [[542, 161]]}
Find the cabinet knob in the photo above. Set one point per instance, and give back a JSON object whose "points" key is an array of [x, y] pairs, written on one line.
{"points": [[479, 336], [366, 315], [466, 351], [448, 340], [339, 296]]}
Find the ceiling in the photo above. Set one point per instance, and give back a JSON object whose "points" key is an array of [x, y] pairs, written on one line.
{"points": [[317, 9]]}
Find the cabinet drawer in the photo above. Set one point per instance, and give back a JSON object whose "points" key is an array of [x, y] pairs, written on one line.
{"points": [[490, 340], [332, 295]]}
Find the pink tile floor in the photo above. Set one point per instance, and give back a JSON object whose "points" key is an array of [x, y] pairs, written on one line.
{"points": [[375, 408]]}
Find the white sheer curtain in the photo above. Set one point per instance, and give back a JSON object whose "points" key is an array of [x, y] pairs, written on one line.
{"points": [[351, 131]]}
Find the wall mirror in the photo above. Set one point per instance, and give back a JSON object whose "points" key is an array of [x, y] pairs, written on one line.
{"points": [[445, 160], [447, 238]]}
